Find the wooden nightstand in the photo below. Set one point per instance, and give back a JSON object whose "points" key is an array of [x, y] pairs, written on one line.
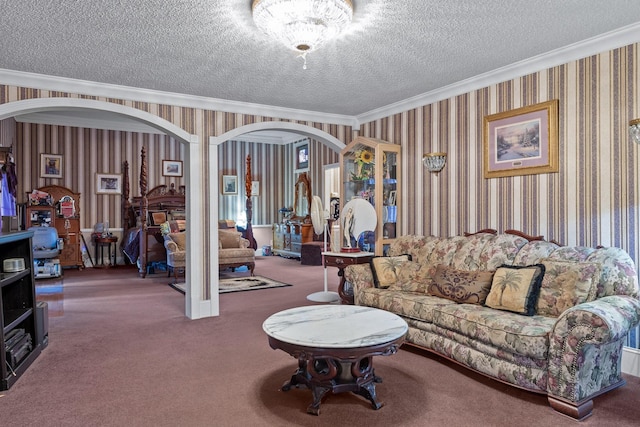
{"points": [[342, 260]]}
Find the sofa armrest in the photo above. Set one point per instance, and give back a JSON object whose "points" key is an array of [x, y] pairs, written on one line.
{"points": [[170, 245], [585, 348], [360, 277], [244, 243]]}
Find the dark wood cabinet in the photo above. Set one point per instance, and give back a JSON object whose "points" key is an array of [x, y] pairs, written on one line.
{"points": [[68, 228], [17, 308]]}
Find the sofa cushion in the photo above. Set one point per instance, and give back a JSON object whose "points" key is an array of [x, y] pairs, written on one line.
{"points": [[229, 239], [461, 286], [566, 284], [385, 269], [514, 333], [407, 304], [516, 288], [412, 278]]}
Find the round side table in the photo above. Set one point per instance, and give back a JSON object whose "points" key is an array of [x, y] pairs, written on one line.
{"points": [[110, 244]]}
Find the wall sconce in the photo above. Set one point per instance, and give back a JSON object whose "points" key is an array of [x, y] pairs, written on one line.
{"points": [[634, 130], [434, 162]]}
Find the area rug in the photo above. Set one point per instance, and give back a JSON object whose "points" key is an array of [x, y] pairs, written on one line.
{"points": [[239, 284]]}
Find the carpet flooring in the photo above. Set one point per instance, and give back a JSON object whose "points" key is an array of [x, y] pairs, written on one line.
{"points": [[122, 353]]}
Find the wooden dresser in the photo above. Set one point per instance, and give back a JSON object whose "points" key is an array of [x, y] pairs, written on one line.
{"points": [[289, 236], [68, 228]]}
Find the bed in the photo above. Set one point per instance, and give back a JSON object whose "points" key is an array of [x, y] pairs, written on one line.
{"points": [[144, 215]]}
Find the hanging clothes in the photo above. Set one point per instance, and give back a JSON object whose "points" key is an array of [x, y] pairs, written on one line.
{"points": [[8, 187]]}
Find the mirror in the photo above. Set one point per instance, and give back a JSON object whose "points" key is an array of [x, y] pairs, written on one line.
{"points": [[302, 199], [67, 207]]}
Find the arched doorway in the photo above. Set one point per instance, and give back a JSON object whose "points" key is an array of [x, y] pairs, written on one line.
{"points": [[195, 305], [300, 129]]}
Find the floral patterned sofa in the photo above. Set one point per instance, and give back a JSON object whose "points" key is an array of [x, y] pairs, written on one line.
{"points": [[567, 346]]}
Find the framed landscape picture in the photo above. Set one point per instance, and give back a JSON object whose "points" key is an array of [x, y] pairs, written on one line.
{"points": [[523, 141], [50, 166], [171, 168], [108, 183], [229, 184]]}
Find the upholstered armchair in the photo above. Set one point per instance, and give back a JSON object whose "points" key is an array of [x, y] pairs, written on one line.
{"points": [[176, 244], [234, 251]]}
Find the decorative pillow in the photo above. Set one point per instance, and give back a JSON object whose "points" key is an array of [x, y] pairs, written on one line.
{"points": [[385, 269], [411, 278], [178, 215], [180, 239], [229, 239], [461, 286], [566, 284], [165, 228], [516, 288], [169, 227]]}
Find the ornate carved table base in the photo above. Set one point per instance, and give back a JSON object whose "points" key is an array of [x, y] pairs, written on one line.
{"points": [[336, 370]]}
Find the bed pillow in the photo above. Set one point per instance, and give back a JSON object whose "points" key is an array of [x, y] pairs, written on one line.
{"points": [[516, 288], [385, 269], [461, 286], [566, 284]]}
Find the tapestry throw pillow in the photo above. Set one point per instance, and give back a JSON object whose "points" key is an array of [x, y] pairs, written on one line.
{"points": [[385, 269], [566, 284], [229, 239], [516, 288], [461, 286], [411, 278]]}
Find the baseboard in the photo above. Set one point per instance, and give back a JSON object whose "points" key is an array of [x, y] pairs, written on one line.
{"points": [[631, 361]]}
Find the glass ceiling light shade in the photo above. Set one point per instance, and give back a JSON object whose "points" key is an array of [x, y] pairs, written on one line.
{"points": [[434, 162], [302, 25], [634, 130]]}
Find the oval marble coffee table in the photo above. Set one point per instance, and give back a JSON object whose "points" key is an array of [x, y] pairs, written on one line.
{"points": [[335, 345]]}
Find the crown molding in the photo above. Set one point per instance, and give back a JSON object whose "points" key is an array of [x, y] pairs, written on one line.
{"points": [[608, 41], [85, 87]]}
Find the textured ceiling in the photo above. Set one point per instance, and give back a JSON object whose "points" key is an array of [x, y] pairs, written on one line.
{"points": [[394, 50]]}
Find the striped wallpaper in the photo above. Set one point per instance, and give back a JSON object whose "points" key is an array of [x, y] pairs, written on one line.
{"points": [[593, 200], [273, 166]]}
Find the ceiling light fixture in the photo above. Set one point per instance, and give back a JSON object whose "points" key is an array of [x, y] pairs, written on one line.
{"points": [[302, 25]]}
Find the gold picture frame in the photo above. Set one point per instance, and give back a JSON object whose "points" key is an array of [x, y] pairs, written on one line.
{"points": [[523, 141], [50, 165]]}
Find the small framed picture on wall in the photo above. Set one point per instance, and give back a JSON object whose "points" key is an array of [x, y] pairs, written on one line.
{"points": [[171, 168], [302, 156], [108, 183], [50, 166], [229, 184]]}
